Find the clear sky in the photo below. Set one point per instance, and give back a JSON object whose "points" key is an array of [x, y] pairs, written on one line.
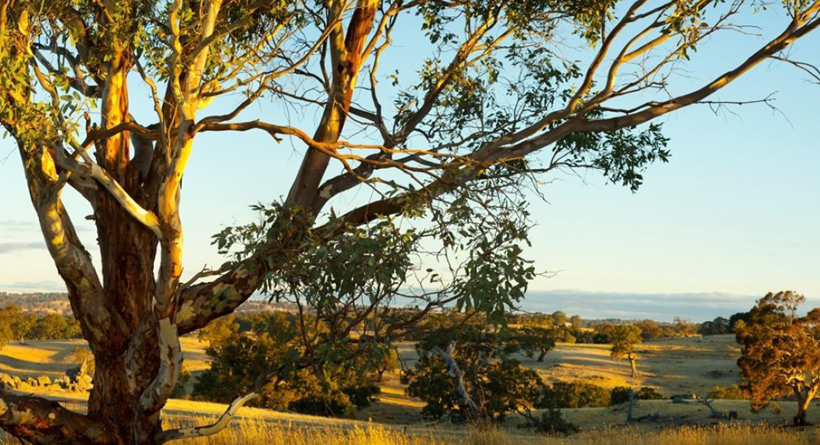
{"points": [[735, 214]]}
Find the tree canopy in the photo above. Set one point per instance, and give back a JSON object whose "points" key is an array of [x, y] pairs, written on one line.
{"points": [[780, 355]]}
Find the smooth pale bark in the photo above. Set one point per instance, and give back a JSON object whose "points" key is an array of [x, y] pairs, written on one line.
{"points": [[804, 398], [633, 364]]}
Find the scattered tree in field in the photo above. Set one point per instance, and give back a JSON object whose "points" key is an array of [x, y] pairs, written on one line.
{"points": [[450, 143], [535, 340], [576, 322], [387, 361], [559, 319], [624, 340], [471, 376], [718, 326], [684, 328], [781, 352], [650, 329]]}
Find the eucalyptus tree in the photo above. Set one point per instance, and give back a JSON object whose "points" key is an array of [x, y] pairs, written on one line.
{"points": [[624, 340], [779, 355], [497, 102]]}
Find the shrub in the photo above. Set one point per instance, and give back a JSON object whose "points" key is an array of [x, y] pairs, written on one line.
{"points": [[620, 395], [575, 394], [733, 392], [363, 394], [553, 422]]}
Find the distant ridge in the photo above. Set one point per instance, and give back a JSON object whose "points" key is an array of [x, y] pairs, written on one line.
{"points": [[57, 303], [38, 302]]}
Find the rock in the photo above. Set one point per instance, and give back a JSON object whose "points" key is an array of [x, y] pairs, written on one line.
{"points": [[44, 380], [62, 382], [84, 383], [7, 381], [32, 381]]}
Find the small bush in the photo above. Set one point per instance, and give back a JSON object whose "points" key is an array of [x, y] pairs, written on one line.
{"points": [[553, 422], [648, 393], [727, 392], [620, 395], [362, 395], [575, 394]]}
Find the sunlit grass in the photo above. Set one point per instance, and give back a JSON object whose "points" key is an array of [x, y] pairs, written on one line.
{"points": [[257, 432]]}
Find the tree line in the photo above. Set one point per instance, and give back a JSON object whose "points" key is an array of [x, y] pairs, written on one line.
{"points": [[21, 326]]}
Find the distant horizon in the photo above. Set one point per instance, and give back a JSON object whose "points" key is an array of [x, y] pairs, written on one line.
{"points": [[591, 305]]}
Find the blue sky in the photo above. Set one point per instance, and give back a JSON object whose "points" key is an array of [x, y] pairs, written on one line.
{"points": [[735, 214]]}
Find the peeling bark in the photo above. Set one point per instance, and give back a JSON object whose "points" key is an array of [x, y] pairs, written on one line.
{"points": [[41, 421]]}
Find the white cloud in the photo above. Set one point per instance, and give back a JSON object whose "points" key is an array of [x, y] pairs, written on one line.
{"points": [[33, 286], [10, 247], [658, 306]]}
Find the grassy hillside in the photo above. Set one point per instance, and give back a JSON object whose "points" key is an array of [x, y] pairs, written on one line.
{"points": [[672, 367]]}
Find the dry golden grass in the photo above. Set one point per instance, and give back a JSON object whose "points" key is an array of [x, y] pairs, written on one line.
{"points": [[672, 366], [256, 432], [682, 365]]}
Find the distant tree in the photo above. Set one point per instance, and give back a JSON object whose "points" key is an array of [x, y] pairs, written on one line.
{"points": [[55, 327], [780, 352], [738, 318], [538, 340], [624, 340], [604, 332], [576, 322], [6, 332], [684, 328], [50, 327], [718, 326], [559, 319], [650, 329], [388, 361], [23, 325], [218, 330]]}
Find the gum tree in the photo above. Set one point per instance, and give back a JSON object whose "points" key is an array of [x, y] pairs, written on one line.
{"points": [[624, 340], [779, 355], [448, 147]]}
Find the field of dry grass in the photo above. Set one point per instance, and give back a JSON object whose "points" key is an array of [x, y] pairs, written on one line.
{"points": [[672, 367], [255, 432]]}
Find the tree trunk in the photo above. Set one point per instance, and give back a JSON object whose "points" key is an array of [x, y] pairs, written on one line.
{"points": [[804, 399], [541, 356]]}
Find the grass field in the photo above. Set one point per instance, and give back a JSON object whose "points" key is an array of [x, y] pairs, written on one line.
{"points": [[672, 367]]}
